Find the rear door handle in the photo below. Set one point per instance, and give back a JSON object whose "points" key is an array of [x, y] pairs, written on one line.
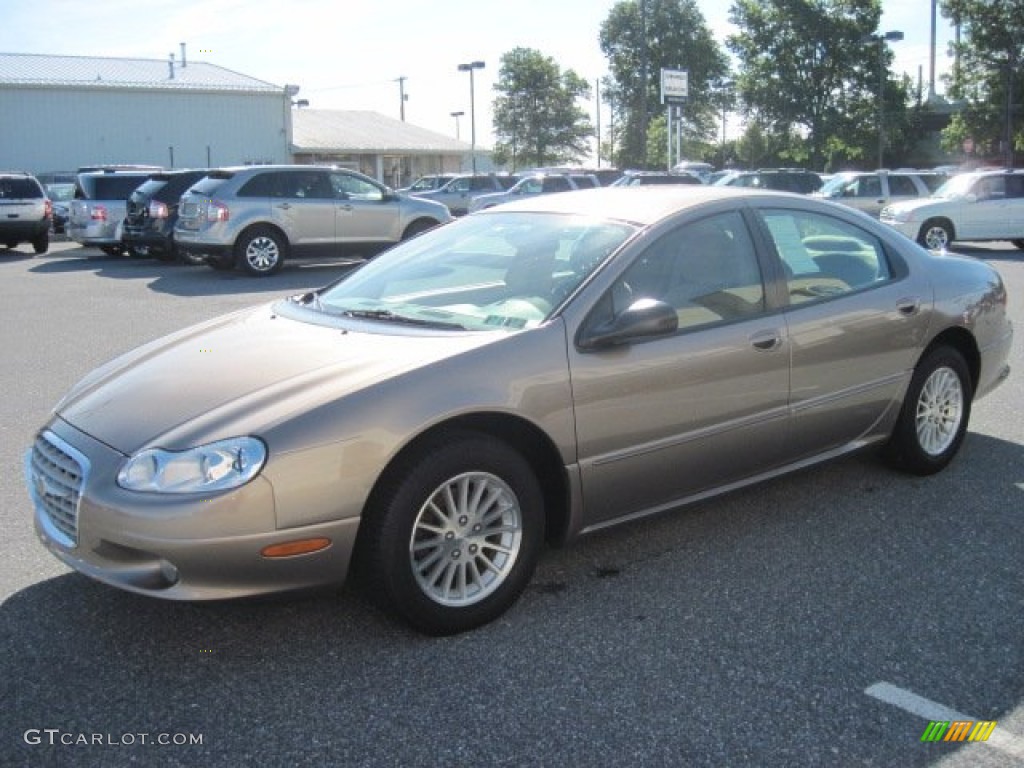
{"points": [[766, 341], [908, 306], [284, 206]]}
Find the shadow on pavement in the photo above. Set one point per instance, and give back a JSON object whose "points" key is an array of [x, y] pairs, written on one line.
{"points": [[183, 280]]}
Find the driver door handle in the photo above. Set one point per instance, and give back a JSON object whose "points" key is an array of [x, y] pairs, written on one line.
{"points": [[766, 341]]}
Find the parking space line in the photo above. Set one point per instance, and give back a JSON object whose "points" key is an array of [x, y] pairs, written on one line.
{"points": [[908, 701]]}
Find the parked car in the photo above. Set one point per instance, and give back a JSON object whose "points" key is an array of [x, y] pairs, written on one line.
{"points": [[986, 205], [258, 216], [532, 185], [152, 212], [427, 183], [530, 373], [25, 211], [871, 191], [61, 194], [460, 190], [643, 178], [99, 207], [798, 180], [701, 170]]}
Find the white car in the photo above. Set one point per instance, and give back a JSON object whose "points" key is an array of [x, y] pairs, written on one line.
{"points": [[984, 205]]}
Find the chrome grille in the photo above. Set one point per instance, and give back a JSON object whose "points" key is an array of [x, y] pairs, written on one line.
{"points": [[56, 476]]}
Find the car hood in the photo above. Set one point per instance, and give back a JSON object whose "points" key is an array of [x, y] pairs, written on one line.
{"points": [[243, 373], [922, 203]]}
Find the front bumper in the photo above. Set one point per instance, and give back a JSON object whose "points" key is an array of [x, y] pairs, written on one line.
{"points": [[179, 548]]}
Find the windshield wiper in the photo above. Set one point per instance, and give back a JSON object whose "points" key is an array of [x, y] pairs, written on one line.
{"points": [[386, 315]]}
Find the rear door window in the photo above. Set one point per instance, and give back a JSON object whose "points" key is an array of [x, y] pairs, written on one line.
{"points": [[902, 186]]}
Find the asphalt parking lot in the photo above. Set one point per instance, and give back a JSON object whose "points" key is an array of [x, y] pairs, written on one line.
{"points": [[823, 619]]}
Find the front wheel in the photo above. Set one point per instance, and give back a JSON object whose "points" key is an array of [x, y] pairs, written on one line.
{"points": [[418, 227], [933, 420], [453, 541], [935, 235], [1019, 243], [261, 251]]}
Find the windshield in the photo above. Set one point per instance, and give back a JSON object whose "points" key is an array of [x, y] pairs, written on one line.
{"points": [[494, 271], [957, 186], [834, 186], [425, 183]]}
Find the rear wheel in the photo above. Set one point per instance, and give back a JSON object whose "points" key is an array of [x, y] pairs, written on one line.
{"points": [[261, 251], [933, 420], [453, 541], [41, 244], [936, 234], [112, 250]]}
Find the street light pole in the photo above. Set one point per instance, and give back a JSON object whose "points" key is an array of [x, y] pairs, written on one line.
{"points": [[456, 115], [895, 36], [472, 105]]}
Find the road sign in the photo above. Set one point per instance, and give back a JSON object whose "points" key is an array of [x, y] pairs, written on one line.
{"points": [[675, 85]]}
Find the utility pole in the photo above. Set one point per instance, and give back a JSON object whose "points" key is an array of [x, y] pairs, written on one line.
{"points": [[401, 95]]}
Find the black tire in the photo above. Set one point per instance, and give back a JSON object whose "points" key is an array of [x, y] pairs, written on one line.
{"points": [[414, 556], [935, 413], [261, 251], [936, 234], [112, 250], [42, 243], [418, 227], [1019, 243]]}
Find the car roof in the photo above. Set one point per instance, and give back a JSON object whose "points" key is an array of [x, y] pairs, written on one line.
{"points": [[644, 204]]}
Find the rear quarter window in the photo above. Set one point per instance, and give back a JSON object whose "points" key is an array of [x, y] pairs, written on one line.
{"points": [[260, 185]]}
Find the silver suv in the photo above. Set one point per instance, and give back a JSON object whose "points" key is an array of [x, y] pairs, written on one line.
{"points": [[98, 210], [258, 216], [871, 191], [25, 211]]}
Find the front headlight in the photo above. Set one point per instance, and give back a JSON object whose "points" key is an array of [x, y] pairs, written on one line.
{"points": [[218, 466], [900, 216]]}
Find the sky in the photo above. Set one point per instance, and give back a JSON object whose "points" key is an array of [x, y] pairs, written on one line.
{"points": [[349, 54]]}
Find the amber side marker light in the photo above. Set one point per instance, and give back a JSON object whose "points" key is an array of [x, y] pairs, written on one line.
{"points": [[291, 548]]}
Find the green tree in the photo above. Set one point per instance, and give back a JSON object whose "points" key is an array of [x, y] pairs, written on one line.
{"points": [[988, 76], [640, 38], [537, 118], [811, 68]]}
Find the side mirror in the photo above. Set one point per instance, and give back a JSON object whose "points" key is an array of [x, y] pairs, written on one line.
{"points": [[643, 319]]}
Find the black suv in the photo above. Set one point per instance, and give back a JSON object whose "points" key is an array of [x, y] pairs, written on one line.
{"points": [[153, 211], [797, 180], [25, 211]]}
